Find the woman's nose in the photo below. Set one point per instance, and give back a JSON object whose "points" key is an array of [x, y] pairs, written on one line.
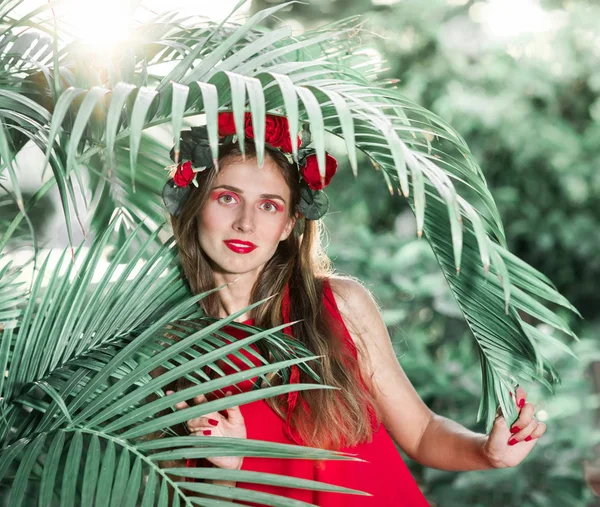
{"points": [[245, 219]]}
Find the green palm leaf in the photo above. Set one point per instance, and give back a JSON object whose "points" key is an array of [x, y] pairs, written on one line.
{"points": [[94, 382]]}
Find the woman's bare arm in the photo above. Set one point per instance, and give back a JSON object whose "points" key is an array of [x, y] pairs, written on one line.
{"points": [[424, 436]]}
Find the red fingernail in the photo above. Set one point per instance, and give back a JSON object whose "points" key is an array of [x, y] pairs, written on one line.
{"points": [[515, 429], [206, 432], [527, 439], [511, 394], [512, 441], [213, 422], [522, 402]]}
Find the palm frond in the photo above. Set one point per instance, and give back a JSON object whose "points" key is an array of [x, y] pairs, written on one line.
{"points": [[78, 377]]}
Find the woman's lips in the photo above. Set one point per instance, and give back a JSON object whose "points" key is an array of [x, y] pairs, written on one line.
{"points": [[241, 247]]}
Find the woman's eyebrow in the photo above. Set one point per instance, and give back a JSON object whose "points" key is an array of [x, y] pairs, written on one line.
{"points": [[240, 191]]}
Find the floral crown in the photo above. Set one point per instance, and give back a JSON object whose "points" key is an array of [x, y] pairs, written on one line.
{"points": [[196, 156]]}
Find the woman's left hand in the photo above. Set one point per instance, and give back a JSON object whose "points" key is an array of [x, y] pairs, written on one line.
{"points": [[508, 447], [214, 424]]}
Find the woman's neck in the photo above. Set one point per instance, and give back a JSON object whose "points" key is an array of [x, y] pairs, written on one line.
{"points": [[235, 295]]}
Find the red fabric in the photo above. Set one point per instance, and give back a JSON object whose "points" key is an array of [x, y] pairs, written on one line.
{"points": [[383, 472]]}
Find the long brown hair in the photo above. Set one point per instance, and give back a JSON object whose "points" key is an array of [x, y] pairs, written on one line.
{"points": [[300, 261]]}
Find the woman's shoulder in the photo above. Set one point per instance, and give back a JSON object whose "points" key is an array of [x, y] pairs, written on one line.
{"points": [[348, 286], [362, 318], [352, 297]]}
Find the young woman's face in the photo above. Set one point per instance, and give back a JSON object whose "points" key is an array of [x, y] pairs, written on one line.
{"points": [[245, 217]]}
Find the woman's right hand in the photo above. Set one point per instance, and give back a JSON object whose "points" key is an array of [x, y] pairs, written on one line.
{"points": [[214, 424]]}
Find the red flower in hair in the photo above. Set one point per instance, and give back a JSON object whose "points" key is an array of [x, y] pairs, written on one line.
{"points": [[287, 144], [184, 174], [277, 132], [310, 171], [226, 124]]}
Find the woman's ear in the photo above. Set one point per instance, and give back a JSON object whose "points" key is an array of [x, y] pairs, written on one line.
{"points": [[289, 227]]}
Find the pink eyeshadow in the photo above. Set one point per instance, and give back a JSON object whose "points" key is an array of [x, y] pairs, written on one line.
{"points": [[216, 194]]}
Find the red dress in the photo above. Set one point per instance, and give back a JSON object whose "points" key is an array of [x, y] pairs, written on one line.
{"points": [[383, 474]]}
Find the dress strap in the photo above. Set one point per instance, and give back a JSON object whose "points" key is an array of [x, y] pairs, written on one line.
{"points": [[341, 330], [340, 326], [292, 397]]}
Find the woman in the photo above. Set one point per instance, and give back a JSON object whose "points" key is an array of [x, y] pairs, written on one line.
{"points": [[257, 230]]}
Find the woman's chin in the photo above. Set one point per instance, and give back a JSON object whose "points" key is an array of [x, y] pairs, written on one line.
{"points": [[240, 267]]}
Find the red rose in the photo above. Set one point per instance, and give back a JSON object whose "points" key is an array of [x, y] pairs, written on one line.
{"points": [[248, 130], [286, 146], [310, 171], [184, 174], [277, 131], [226, 124]]}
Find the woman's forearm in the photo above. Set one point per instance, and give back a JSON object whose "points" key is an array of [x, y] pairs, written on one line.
{"points": [[447, 445], [216, 483], [231, 484]]}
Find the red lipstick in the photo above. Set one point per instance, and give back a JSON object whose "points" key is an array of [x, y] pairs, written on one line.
{"points": [[239, 246]]}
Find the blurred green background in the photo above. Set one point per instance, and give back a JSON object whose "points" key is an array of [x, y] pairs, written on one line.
{"points": [[520, 81]]}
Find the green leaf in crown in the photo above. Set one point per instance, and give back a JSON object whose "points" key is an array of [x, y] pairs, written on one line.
{"points": [[313, 203]]}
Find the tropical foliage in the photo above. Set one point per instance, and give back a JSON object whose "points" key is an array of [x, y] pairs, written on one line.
{"points": [[78, 351]]}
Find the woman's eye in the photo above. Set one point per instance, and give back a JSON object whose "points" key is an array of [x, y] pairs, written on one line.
{"points": [[272, 207], [225, 196]]}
